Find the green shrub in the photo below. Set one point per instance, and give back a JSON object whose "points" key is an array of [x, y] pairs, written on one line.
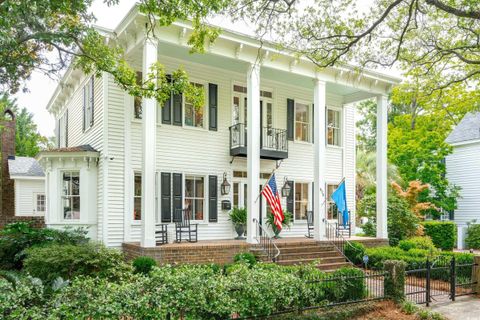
{"points": [[417, 243], [443, 234], [402, 223], [143, 264], [355, 252], [16, 237], [472, 240], [68, 261], [245, 257]]}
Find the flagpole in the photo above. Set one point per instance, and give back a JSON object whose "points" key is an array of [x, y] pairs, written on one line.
{"points": [[265, 184]]}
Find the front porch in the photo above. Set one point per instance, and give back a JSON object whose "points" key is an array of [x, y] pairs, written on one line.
{"points": [[223, 251]]}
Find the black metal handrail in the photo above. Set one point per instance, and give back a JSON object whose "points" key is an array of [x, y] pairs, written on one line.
{"points": [[336, 239], [265, 242], [270, 138]]}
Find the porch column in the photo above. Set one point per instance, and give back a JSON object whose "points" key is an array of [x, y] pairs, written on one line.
{"points": [[319, 126], [149, 134], [382, 125], [253, 149]]}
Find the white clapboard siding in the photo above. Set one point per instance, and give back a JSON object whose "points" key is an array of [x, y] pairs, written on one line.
{"points": [[463, 170], [25, 196]]}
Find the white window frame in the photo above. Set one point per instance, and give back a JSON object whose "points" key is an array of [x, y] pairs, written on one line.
{"points": [[62, 196], [205, 107], [328, 201], [205, 195], [310, 120], [308, 183], [340, 127], [35, 203], [135, 174]]}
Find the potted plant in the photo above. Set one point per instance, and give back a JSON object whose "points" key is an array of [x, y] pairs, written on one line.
{"points": [[286, 223], [238, 216]]}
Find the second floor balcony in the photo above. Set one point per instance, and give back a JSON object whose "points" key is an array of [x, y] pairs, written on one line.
{"points": [[273, 142]]}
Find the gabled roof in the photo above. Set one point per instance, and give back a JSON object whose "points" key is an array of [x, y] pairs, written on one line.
{"points": [[24, 167], [468, 129]]}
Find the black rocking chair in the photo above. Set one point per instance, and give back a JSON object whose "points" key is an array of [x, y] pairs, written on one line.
{"points": [[184, 227], [310, 226], [161, 233]]}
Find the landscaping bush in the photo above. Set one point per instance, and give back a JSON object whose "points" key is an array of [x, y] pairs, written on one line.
{"points": [[16, 237], [443, 234], [143, 264], [355, 252], [417, 243], [68, 261], [472, 240], [245, 257], [401, 222]]}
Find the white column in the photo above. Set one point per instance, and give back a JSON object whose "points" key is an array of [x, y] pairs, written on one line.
{"points": [[460, 237], [319, 137], [253, 149], [149, 119], [382, 125]]}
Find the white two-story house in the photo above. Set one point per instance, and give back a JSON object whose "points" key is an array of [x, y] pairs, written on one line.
{"points": [[124, 164]]}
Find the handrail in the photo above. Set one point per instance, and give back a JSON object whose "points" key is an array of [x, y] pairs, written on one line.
{"points": [[337, 240], [266, 243]]}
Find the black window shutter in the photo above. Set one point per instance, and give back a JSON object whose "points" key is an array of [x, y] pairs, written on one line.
{"points": [[177, 193], [177, 109], [92, 99], [167, 107], [84, 107], [290, 119], [212, 106], [166, 197], [212, 198], [290, 202], [66, 128]]}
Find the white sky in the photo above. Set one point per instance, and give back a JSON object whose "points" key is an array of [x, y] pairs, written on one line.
{"points": [[42, 87]]}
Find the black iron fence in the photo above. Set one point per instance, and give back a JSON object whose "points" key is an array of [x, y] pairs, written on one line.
{"points": [[440, 279], [270, 138]]}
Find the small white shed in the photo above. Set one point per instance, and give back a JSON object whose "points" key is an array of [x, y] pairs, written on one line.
{"points": [[463, 170], [29, 180]]}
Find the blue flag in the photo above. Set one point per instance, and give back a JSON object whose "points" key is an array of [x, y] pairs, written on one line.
{"points": [[339, 196]]}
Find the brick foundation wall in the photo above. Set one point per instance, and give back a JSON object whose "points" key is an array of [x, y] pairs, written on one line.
{"points": [[221, 253]]}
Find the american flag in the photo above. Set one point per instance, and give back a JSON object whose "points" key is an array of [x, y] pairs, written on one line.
{"points": [[270, 192]]}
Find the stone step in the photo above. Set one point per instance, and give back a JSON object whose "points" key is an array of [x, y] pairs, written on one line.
{"points": [[306, 255], [329, 267], [327, 261], [304, 243], [303, 249]]}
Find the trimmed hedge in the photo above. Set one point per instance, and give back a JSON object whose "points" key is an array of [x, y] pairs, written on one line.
{"points": [[473, 236], [443, 234], [355, 251]]}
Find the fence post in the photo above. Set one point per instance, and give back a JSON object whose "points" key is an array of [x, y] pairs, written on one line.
{"points": [[476, 273], [427, 284], [452, 279], [394, 283]]}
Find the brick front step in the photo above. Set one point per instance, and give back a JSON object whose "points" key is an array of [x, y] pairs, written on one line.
{"points": [[307, 255], [323, 261]]}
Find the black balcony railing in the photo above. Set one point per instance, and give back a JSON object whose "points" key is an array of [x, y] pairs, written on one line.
{"points": [[273, 142]]}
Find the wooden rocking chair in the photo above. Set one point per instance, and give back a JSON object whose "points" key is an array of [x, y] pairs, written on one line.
{"points": [[184, 227]]}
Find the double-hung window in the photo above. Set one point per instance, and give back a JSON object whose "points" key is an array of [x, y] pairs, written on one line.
{"points": [[40, 203], [301, 201], [71, 195], [333, 127], [137, 196], [194, 115], [302, 122], [195, 196], [331, 207]]}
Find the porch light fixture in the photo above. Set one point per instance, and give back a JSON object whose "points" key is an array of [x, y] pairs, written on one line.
{"points": [[286, 189], [225, 187]]}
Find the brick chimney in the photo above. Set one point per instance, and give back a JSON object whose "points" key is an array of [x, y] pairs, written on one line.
{"points": [[7, 193]]}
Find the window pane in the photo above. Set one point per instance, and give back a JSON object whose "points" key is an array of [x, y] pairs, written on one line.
{"points": [[198, 209], [138, 185], [137, 208], [236, 110], [301, 112], [199, 187], [235, 194], [301, 201], [189, 187], [75, 184]]}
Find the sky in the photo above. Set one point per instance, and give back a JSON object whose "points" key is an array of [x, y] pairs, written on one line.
{"points": [[41, 87]]}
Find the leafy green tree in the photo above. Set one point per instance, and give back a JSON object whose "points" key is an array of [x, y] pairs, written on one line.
{"points": [[367, 125], [28, 141]]}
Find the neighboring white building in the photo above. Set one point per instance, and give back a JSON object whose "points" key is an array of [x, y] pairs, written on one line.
{"points": [[29, 185], [125, 163], [463, 170]]}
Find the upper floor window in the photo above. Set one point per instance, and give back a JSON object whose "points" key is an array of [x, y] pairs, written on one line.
{"points": [[137, 197], [137, 101], [88, 103], [194, 115], [333, 127], [302, 122], [71, 195], [301, 201], [195, 196]]}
